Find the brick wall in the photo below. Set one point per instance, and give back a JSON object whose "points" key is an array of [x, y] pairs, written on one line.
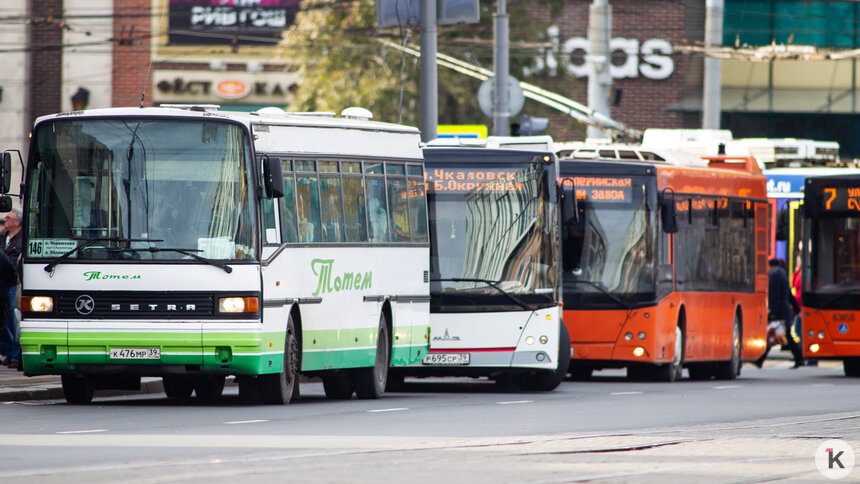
{"points": [[131, 52], [644, 103], [45, 39]]}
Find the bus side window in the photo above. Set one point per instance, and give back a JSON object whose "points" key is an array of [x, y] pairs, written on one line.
{"points": [[289, 221], [331, 204], [417, 205], [308, 207], [377, 211], [355, 226], [399, 212]]}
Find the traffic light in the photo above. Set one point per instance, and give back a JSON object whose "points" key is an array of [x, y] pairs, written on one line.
{"points": [[530, 126]]}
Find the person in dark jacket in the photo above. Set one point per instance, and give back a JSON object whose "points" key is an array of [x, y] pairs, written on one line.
{"points": [[11, 237], [8, 344], [782, 306]]}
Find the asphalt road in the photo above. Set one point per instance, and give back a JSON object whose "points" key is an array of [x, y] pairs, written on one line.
{"points": [[763, 427]]}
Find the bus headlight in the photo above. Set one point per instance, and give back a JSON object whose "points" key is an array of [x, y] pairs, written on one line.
{"points": [[638, 351], [37, 304], [530, 340], [811, 333], [821, 335], [238, 305], [543, 340], [641, 335], [628, 336]]}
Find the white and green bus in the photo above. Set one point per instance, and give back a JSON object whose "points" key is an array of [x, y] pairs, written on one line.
{"points": [[192, 244]]}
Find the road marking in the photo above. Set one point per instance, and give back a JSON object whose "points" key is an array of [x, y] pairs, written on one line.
{"points": [[398, 409], [244, 422], [83, 431], [626, 393], [515, 402], [726, 387]]}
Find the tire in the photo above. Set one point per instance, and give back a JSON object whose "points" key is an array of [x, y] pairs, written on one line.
{"points": [[729, 370], [851, 366], [278, 388], [547, 381], [178, 387], [673, 371], [209, 387], [337, 386], [78, 390], [370, 382]]}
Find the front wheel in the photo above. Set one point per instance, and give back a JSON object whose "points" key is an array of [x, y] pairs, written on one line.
{"points": [[279, 388], [673, 371], [77, 390], [370, 382], [548, 380], [729, 370]]}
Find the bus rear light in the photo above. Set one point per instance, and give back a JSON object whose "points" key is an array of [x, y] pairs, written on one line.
{"points": [[638, 351], [813, 348], [238, 305], [37, 304]]}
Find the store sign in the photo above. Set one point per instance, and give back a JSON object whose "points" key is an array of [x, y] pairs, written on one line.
{"points": [[198, 22], [174, 86], [630, 58]]}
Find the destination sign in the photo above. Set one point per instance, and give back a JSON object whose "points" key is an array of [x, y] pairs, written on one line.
{"points": [[471, 179], [601, 188], [839, 199]]}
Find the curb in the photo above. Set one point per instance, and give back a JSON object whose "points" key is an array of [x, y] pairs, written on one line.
{"points": [[54, 391]]}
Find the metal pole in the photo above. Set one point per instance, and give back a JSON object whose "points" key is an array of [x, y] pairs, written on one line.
{"points": [[501, 88], [599, 79], [711, 92], [429, 89]]}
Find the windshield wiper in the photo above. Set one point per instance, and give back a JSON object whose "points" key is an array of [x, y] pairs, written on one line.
{"points": [[604, 291], [493, 284], [839, 296], [87, 243], [188, 252]]}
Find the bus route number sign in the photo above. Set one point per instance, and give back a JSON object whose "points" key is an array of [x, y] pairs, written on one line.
{"points": [[838, 199], [601, 188], [466, 179]]}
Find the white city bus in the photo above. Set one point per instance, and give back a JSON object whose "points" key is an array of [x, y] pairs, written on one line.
{"points": [[191, 243], [494, 271]]}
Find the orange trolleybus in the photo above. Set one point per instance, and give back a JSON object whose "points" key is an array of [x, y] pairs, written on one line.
{"points": [[664, 266], [831, 270]]}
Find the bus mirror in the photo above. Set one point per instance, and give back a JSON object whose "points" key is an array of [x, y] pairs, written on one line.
{"points": [[273, 177], [668, 213], [5, 172], [569, 207], [5, 203]]}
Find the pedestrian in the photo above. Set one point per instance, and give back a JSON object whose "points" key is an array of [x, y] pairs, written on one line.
{"points": [[8, 343], [11, 236], [781, 307]]}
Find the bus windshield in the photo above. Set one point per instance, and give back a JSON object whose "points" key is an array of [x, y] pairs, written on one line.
{"points": [[140, 188], [835, 257], [608, 251], [492, 239]]}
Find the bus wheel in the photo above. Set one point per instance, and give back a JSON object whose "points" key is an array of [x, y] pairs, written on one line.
{"points": [[209, 387], [77, 389], [548, 380], [337, 386], [277, 389], [850, 365], [370, 382], [673, 371], [179, 387], [729, 370]]}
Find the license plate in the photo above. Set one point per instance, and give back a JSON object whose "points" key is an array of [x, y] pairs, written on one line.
{"points": [[135, 353], [446, 359]]}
